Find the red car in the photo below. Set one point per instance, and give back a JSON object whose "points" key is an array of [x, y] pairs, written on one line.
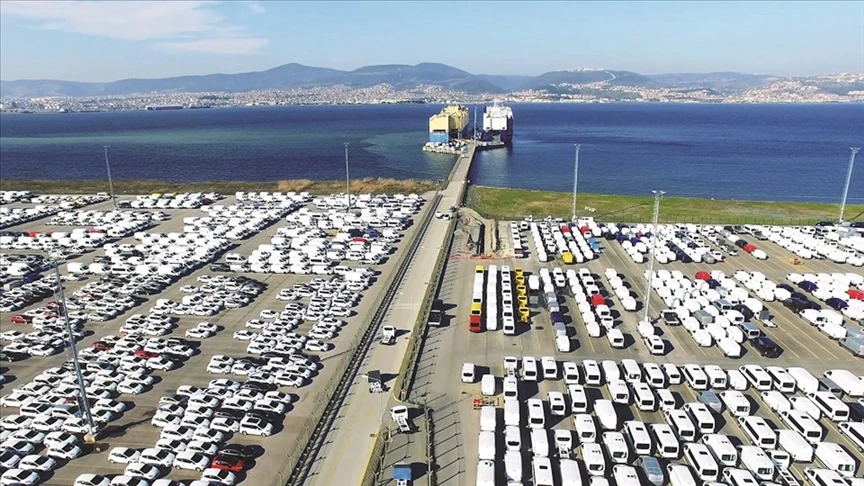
{"points": [[227, 462], [101, 346], [145, 354], [21, 319]]}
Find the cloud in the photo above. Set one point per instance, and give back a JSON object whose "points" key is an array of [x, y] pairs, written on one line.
{"points": [[190, 26], [233, 45], [256, 7]]}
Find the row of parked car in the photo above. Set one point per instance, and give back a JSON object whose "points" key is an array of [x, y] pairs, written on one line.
{"points": [[646, 386], [173, 200]]}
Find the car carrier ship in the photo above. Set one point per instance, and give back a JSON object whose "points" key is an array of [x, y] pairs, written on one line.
{"points": [[497, 125]]}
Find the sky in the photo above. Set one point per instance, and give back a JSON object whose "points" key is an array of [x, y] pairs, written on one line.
{"points": [[110, 40]]}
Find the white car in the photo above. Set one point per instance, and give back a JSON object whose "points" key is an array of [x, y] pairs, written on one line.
{"points": [[142, 470], [279, 397], [219, 476], [123, 455], [35, 462], [156, 457], [19, 477], [202, 447], [28, 435], [124, 480], [127, 387], [177, 432], [59, 439], [16, 399], [270, 406], [108, 404], [68, 452], [191, 460], [208, 435], [15, 422], [225, 424], [160, 363], [164, 419], [91, 480], [255, 426], [316, 345], [244, 335], [171, 445], [196, 333]]}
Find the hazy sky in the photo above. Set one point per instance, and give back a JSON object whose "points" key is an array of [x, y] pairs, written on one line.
{"points": [[103, 41]]}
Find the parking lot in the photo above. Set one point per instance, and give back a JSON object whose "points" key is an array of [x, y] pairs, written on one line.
{"points": [[447, 348], [133, 429]]}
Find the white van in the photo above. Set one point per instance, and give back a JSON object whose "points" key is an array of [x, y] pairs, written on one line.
{"points": [[550, 368], [702, 462], [640, 439], [488, 418], [782, 381], [511, 387], [734, 476], [610, 370], [487, 445], [529, 369], [802, 423], [540, 442], [468, 371], [632, 373], [619, 392], [571, 373], [737, 380], [804, 380], [571, 474], [835, 457], [854, 431], [736, 402], [776, 401], [557, 405], [487, 385], [722, 448], [833, 408], [654, 375], [605, 412], [701, 416], [512, 438], [616, 447], [755, 460], [616, 338], [542, 471], [586, 430], [536, 414], [696, 377], [625, 475], [667, 399], [758, 431], [644, 397], [486, 473], [593, 376], [513, 465], [672, 374], [717, 378], [512, 415], [795, 444], [680, 422], [592, 456], [680, 475], [820, 477], [578, 398], [668, 445], [655, 345], [850, 383]]}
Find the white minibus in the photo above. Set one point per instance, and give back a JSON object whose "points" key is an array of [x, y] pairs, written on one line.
{"points": [[571, 474], [680, 422], [722, 448], [571, 373], [737, 380], [542, 471], [536, 414], [680, 475], [733, 476], [759, 432], [696, 377], [632, 373], [701, 416], [593, 376], [736, 402], [667, 400], [833, 408], [488, 418], [578, 399], [667, 443], [513, 466], [511, 387], [702, 462], [529, 369], [640, 439], [486, 473], [835, 457], [616, 447], [781, 379], [610, 370], [592, 456], [625, 475], [757, 376], [585, 428], [717, 378], [605, 411], [512, 416], [644, 397], [540, 442], [619, 392], [672, 374], [804, 424], [513, 438], [487, 445], [854, 431], [654, 375], [550, 368], [795, 444], [755, 460]]}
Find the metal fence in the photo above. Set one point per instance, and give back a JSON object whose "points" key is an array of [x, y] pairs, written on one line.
{"points": [[294, 453]]}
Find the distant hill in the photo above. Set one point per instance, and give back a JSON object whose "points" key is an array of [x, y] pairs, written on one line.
{"points": [[407, 77]]}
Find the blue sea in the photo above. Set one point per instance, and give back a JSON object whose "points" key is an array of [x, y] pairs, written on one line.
{"points": [[761, 152]]}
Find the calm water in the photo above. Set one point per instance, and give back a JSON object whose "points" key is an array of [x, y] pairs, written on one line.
{"points": [[770, 152]]}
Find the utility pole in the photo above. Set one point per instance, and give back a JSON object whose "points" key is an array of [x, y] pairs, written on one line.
{"points": [[85, 404], [347, 179], [848, 180], [575, 179], [110, 181], [650, 280]]}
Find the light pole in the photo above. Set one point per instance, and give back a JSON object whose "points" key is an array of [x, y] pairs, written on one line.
{"points": [[848, 179], [650, 280], [110, 181], [85, 404], [575, 178], [347, 179]]}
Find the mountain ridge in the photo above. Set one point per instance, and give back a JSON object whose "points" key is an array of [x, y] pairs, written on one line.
{"points": [[399, 76]]}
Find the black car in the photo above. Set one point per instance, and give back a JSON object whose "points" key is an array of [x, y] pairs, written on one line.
{"points": [[259, 386], [236, 450], [219, 267], [177, 358], [251, 360], [766, 347], [275, 354], [264, 415], [12, 356], [229, 413]]}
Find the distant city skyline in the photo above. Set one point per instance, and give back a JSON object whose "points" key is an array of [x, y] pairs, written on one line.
{"points": [[106, 41]]}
